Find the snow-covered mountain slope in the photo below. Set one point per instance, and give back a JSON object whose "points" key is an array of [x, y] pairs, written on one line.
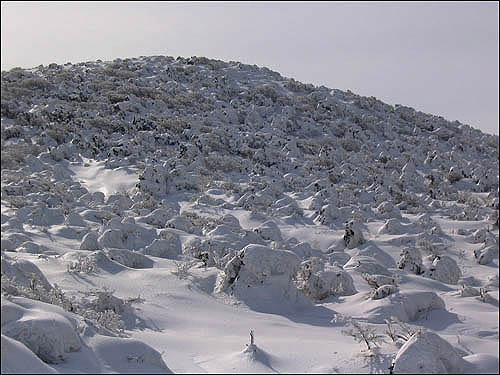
{"points": [[156, 210]]}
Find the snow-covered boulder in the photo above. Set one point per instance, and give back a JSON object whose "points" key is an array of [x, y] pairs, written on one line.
{"points": [[428, 353]]}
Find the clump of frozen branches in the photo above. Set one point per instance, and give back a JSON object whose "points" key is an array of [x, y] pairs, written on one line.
{"points": [[362, 333], [398, 330], [182, 269], [85, 264]]}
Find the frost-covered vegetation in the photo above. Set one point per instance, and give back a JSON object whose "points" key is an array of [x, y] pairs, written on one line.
{"points": [[153, 204]]}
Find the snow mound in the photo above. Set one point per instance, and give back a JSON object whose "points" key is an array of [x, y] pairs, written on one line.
{"points": [[48, 334], [23, 272], [129, 258], [125, 355], [427, 353], [18, 358], [406, 306]]}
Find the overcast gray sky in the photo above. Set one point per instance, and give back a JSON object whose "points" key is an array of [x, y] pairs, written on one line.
{"points": [[437, 57]]}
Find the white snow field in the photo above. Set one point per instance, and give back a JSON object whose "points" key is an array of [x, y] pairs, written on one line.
{"points": [[190, 215]]}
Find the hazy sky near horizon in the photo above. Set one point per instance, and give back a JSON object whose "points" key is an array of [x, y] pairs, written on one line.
{"points": [[437, 57]]}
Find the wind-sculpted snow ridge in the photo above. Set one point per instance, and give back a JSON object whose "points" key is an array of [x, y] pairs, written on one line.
{"points": [[195, 189]]}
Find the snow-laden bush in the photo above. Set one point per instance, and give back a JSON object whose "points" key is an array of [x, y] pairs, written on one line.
{"points": [[486, 255], [387, 210], [129, 258], [44, 216], [444, 269], [48, 334], [362, 333], [75, 220], [159, 217], [24, 273], [410, 259], [255, 263], [391, 226], [112, 238], [32, 248], [376, 281], [182, 223], [353, 237], [428, 353], [269, 231], [383, 291], [168, 247], [366, 264], [318, 283], [90, 242], [12, 350]]}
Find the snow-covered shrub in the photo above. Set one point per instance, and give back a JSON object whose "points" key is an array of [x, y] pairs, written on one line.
{"points": [[365, 264], [318, 283], [112, 238], [269, 231], [75, 220], [182, 223], [427, 353], [24, 273], [255, 263], [383, 291], [129, 258], [44, 216], [410, 259], [353, 237], [90, 242], [182, 269], [362, 333], [376, 281], [169, 246], [444, 269], [85, 264], [50, 335], [391, 226], [468, 291], [486, 255], [32, 248], [387, 210]]}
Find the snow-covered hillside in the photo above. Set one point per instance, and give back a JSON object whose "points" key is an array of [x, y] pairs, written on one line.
{"points": [[192, 215]]}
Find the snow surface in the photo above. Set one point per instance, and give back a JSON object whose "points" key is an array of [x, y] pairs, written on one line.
{"points": [[155, 211]]}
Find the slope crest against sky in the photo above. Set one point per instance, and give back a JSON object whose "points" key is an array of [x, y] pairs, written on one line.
{"points": [[440, 58]]}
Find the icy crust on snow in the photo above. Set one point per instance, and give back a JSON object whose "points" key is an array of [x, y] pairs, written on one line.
{"points": [[232, 182]]}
